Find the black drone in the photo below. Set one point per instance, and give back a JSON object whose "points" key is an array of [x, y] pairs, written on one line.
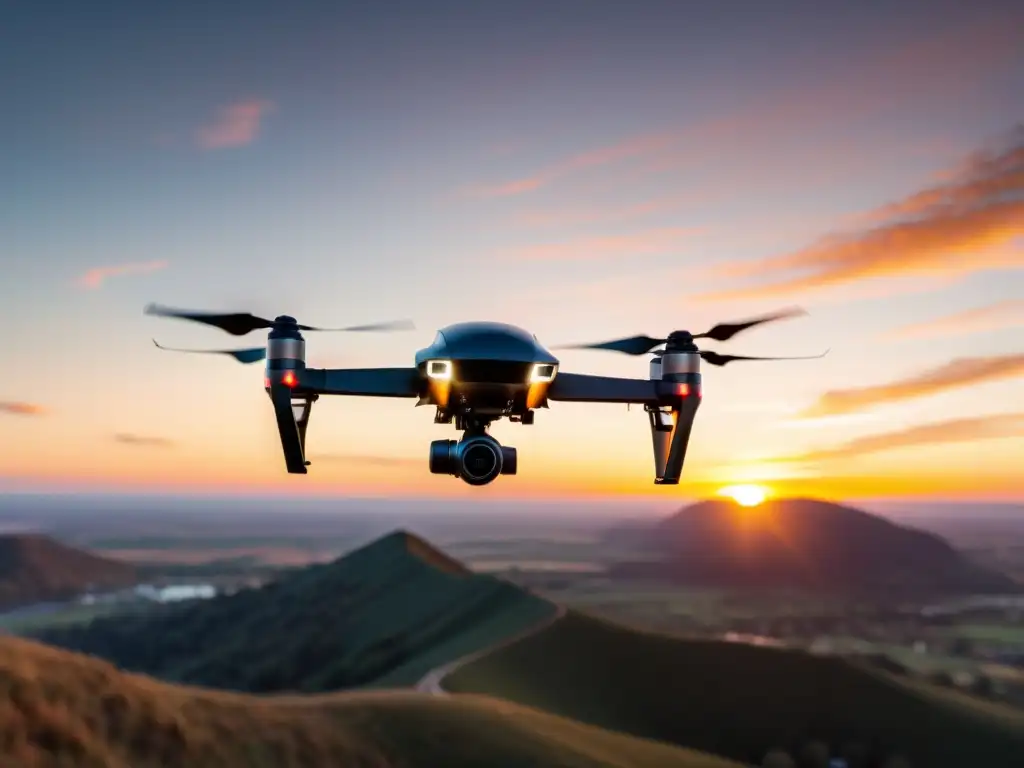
{"points": [[476, 373]]}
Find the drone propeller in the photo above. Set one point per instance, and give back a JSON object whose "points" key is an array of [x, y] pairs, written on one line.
{"points": [[241, 323], [640, 345], [244, 356], [713, 358]]}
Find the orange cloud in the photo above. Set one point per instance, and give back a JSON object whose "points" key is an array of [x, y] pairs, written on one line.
{"points": [[1004, 314], [95, 277], [235, 126], [954, 374], [951, 431], [18, 408], [968, 224], [634, 244]]}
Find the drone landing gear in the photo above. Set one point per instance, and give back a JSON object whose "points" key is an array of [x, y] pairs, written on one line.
{"points": [[477, 458], [292, 412]]}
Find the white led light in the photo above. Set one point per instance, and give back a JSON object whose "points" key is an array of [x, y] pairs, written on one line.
{"points": [[439, 369], [542, 372]]}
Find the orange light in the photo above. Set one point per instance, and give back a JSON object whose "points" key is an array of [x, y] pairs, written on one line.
{"points": [[683, 389], [289, 379]]}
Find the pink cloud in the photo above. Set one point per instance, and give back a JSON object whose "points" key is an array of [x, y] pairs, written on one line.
{"points": [[21, 408], [235, 125], [933, 67], [95, 277]]}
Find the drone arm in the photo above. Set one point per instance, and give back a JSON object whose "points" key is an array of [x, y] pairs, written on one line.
{"points": [[584, 388], [361, 382]]}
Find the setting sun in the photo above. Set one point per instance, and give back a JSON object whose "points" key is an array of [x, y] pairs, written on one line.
{"points": [[745, 495]]}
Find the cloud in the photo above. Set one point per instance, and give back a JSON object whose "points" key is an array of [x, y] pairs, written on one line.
{"points": [[96, 276], [945, 432], [606, 214], [236, 125], [954, 374], [148, 441], [18, 408], [994, 317], [936, 66], [631, 147], [969, 223], [646, 242]]}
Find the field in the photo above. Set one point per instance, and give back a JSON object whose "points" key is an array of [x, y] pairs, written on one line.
{"points": [[740, 700], [61, 709]]}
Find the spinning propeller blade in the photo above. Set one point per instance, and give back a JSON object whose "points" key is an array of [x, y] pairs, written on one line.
{"points": [[241, 323], [245, 356], [713, 358], [640, 345]]}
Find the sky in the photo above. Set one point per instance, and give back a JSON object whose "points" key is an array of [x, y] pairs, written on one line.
{"points": [[585, 170]]}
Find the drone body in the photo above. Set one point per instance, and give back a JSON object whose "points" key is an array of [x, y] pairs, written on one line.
{"points": [[474, 374]]}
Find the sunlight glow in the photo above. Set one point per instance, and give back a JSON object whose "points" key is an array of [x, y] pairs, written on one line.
{"points": [[745, 495]]}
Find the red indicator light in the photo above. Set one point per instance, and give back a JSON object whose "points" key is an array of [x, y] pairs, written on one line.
{"points": [[683, 389], [266, 382], [289, 379]]}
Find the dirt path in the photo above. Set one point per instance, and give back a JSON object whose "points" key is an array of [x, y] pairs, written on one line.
{"points": [[431, 682]]}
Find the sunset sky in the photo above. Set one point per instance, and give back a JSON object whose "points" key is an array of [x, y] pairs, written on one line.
{"points": [[585, 170]]}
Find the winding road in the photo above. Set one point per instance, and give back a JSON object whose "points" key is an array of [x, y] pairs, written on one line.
{"points": [[431, 682]]}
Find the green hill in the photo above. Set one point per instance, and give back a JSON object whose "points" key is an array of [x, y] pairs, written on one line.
{"points": [[383, 615], [739, 700], [60, 709]]}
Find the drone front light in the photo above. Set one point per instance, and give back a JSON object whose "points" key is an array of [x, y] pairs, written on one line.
{"points": [[440, 370], [289, 379], [543, 372]]}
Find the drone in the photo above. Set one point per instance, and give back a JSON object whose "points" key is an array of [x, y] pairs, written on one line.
{"points": [[475, 373]]}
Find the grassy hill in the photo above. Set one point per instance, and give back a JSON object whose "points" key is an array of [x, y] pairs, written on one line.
{"points": [[63, 709], [739, 700], [36, 568], [803, 543], [383, 615]]}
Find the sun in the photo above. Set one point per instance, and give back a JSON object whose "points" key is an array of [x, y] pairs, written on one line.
{"points": [[745, 495]]}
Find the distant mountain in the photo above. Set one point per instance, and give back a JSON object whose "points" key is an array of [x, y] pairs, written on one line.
{"points": [[64, 709], [803, 543], [36, 568], [383, 615]]}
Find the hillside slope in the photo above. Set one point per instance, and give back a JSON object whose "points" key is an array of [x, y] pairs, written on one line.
{"points": [[738, 700], [59, 709], [804, 543], [383, 615], [36, 568]]}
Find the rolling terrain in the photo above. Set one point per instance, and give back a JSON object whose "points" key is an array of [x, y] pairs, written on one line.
{"points": [[36, 568], [801, 543], [738, 700], [381, 616], [63, 709]]}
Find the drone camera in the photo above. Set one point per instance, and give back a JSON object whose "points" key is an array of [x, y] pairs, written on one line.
{"points": [[477, 459]]}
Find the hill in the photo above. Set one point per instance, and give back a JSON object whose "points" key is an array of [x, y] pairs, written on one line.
{"points": [[35, 568], [803, 543], [383, 615], [740, 700], [58, 709]]}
